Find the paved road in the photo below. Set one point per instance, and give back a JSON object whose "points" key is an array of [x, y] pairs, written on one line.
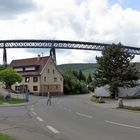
{"points": [[71, 118]]}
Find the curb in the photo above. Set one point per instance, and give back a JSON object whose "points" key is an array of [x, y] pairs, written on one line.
{"points": [[16, 105]]}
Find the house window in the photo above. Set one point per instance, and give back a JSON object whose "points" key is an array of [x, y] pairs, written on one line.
{"points": [[53, 71], [35, 88], [48, 70], [44, 79], [35, 79], [60, 79], [56, 87], [55, 79], [27, 79], [17, 88]]}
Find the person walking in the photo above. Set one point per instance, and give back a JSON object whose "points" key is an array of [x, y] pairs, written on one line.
{"points": [[49, 99]]}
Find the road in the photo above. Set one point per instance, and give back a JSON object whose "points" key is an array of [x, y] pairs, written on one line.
{"points": [[72, 118]]}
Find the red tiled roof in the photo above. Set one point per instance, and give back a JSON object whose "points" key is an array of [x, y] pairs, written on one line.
{"points": [[30, 62]]}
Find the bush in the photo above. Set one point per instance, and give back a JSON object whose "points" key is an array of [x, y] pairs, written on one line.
{"points": [[97, 99]]}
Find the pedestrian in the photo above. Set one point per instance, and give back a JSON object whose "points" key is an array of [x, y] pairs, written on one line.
{"points": [[49, 99]]}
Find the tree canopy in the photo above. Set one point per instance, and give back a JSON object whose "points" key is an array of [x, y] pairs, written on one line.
{"points": [[2, 67], [9, 77], [73, 82], [115, 69]]}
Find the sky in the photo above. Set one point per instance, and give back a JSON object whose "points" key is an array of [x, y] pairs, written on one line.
{"points": [[103, 21]]}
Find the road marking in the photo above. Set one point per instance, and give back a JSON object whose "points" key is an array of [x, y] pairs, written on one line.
{"points": [[40, 119], [52, 129], [34, 113], [84, 115], [120, 124]]}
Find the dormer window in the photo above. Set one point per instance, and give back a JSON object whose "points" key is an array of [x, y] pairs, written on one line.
{"points": [[29, 68], [18, 69]]}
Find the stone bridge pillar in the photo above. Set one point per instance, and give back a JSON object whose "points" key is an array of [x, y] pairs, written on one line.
{"points": [[4, 55]]}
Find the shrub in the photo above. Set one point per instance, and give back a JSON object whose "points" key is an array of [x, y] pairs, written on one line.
{"points": [[97, 99]]}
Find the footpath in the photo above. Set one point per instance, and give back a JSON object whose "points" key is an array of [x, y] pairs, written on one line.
{"points": [[111, 103]]}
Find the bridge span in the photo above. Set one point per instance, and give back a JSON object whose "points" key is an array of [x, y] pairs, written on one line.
{"points": [[58, 44]]}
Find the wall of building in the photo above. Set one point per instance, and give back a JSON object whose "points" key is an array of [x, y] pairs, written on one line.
{"points": [[51, 78], [30, 84]]}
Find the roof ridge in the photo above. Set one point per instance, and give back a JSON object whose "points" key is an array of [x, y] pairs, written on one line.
{"points": [[30, 58]]}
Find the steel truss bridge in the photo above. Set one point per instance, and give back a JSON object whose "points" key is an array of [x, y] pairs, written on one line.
{"points": [[58, 44]]}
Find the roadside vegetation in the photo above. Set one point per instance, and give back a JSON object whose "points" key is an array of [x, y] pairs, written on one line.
{"points": [[9, 77], [11, 100], [114, 68], [134, 108], [97, 99], [6, 137]]}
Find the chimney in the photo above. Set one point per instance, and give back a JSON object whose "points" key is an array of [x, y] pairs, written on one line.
{"points": [[38, 57]]}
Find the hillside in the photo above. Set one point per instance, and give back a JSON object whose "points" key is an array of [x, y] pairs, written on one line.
{"points": [[86, 68]]}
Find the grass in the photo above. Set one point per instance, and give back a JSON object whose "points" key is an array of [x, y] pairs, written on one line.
{"points": [[6, 137], [97, 99], [135, 108], [12, 101]]}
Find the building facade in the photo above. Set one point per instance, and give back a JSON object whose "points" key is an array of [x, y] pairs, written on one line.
{"points": [[40, 75]]}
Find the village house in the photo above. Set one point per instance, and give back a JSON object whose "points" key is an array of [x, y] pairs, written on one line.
{"points": [[40, 75]]}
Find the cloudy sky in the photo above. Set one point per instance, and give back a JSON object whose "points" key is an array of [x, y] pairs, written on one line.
{"points": [[104, 21]]}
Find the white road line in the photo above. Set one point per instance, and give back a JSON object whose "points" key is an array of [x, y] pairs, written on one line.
{"points": [[52, 129], [125, 125], [84, 115], [40, 119], [34, 113]]}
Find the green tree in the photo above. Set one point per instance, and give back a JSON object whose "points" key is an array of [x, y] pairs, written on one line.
{"points": [[114, 69], [72, 84], [2, 67], [9, 77], [89, 79], [81, 76]]}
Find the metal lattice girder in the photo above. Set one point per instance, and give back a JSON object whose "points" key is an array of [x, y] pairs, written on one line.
{"points": [[61, 44]]}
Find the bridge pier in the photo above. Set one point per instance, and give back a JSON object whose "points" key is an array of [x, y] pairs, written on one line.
{"points": [[53, 54], [4, 55]]}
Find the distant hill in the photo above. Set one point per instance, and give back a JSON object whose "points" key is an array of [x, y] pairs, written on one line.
{"points": [[86, 68]]}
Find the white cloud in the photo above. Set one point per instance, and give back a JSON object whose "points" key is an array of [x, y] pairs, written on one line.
{"points": [[89, 20]]}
